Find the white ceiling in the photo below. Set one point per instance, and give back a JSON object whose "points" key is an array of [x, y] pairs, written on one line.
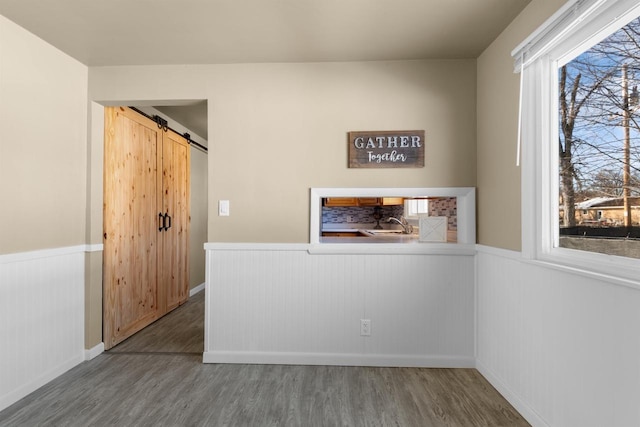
{"points": [[154, 32]]}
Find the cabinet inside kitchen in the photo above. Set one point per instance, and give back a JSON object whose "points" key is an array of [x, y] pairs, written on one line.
{"points": [[362, 201]]}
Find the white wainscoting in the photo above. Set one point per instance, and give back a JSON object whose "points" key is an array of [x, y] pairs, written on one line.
{"points": [[562, 346], [280, 304], [41, 318]]}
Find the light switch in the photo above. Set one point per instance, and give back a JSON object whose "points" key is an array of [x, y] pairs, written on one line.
{"points": [[223, 208]]}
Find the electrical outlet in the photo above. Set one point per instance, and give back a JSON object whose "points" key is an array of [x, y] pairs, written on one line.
{"points": [[350, 218], [365, 327]]}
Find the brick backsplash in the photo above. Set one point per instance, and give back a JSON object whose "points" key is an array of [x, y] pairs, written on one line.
{"points": [[445, 206]]}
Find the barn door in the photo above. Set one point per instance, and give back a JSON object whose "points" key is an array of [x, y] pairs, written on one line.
{"points": [[132, 193], [174, 266]]}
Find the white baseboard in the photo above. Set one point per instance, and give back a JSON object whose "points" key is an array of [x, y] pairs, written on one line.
{"points": [[379, 360], [197, 289], [529, 414], [94, 352]]}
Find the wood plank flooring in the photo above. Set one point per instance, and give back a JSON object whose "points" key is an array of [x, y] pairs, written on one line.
{"points": [[157, 378], [181, 331]]}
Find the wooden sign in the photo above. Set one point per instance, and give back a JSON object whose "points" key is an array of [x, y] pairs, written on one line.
{"points": [[386, 149]]}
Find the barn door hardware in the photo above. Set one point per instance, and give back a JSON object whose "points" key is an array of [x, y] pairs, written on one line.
{"points": [[162, 123], [190, 141]]}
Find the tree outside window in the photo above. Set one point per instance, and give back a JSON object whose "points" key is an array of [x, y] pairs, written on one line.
{"points": [[599, 143]]}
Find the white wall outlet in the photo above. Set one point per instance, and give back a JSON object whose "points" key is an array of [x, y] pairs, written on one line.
{"points": [[365, 327], [223, 208], [350, 218]]}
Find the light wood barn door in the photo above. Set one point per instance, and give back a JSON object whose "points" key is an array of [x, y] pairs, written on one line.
{"points": [[131, 200], [174, 265]]}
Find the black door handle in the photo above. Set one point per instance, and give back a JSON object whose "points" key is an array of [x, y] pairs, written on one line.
{"points": [[169, 217], [162, 224]]}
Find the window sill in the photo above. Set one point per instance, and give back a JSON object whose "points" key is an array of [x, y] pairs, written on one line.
{"points": [[608, 268]]}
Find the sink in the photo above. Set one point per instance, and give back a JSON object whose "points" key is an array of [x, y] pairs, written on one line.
{"points": [[381, 232]]}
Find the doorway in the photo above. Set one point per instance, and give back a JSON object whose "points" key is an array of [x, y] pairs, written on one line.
{"points": [[199, 211]]}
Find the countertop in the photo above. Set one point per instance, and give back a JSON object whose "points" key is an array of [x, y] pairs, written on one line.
{"points": [[395, 238], [368, 238]]}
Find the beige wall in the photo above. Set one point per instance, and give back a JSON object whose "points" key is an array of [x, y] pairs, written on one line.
{"points": [[43, 140], [498, 91], [275, 130], [199, 206], [45, 184]]}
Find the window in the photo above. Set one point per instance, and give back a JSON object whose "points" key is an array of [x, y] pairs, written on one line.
{"points": [[414, 207], [599, 149], [575, 115]]}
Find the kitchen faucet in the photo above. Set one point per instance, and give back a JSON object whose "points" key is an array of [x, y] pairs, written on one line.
{"points": [[406, 227]]}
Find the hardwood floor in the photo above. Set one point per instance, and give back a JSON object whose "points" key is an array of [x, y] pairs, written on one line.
{"points": [[157, 378], [181, 331]]}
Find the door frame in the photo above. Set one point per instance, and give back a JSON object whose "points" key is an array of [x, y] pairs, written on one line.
{"points": [[93, 320]]}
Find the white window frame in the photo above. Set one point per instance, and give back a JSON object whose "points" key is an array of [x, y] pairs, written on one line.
{"points": [[575, 28], [412, 208]]}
